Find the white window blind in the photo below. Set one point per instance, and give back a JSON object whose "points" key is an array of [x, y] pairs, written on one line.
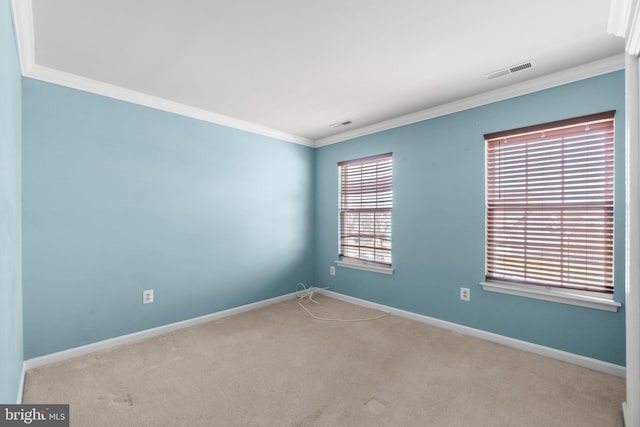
{"points": [[550, 204], [365, 209]]}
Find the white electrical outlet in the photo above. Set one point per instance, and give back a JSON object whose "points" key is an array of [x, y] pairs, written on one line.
{"points": [[465, 294], [147, 296], [332, 270]]}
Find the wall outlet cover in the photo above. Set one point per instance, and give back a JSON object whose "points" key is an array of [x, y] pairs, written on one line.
{"points": [[147, 296]]}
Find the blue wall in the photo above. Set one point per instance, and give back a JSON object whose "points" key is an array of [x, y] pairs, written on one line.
{"points": [[118, 198], [10, 216], [438, 222]]}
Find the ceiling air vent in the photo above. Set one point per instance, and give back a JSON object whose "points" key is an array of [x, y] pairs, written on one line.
{"points": [[340, 124], [510, 70]]}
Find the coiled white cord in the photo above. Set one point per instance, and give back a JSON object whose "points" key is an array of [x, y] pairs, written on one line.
{"points": [[305, 296]]}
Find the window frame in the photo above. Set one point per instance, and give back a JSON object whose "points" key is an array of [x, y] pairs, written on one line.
{"points": [[385, 205], [550, 292]]}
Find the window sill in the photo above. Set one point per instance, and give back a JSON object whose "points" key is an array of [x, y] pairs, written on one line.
{"points": [[553, 294], [374, 268]]}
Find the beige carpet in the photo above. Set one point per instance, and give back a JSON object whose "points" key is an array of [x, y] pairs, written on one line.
{"points": [[277, 366]]}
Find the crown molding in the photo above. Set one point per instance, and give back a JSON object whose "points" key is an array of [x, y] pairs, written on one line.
{"points": [[619, 13], [23, 18], [112, 91], [23, 21], [624, 21], [592, 69], [633, 34]]}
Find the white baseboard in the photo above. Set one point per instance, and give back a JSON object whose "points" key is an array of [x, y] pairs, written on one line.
{"points": [[20, 386], [148, 333], [587, 362]]}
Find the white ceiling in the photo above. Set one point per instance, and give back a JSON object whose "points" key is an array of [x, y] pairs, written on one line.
{"points": [[299, 66]]}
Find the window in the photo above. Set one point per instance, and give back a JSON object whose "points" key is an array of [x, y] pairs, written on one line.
{"points": [[365, 213], [550, 207]]}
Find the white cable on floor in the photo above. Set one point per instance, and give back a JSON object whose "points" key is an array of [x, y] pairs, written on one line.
{"points": [[305, 295]]}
